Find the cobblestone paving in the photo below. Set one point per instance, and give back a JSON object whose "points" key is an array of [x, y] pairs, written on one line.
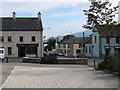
{"points": [[59, 76]]}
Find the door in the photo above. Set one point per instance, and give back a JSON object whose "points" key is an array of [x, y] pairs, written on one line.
{"points": [[107, 52], [21, 51]]}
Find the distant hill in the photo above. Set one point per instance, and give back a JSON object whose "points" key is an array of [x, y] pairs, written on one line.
{"points": [[78, 34], [59, 37]]}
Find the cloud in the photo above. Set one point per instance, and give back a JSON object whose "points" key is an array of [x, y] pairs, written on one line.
{"points": [[65, 28], [29, 6], [51, 1], [65, 14], [34, 7]]}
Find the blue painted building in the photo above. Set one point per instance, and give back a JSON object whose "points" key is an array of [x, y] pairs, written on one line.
{"points": [[99, 46]]}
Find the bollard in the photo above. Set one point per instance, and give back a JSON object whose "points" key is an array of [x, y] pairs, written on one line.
{"points": [[2, 60], [7, 60], [94, 62]]}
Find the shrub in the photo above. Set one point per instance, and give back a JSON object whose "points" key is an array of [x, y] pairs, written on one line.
{"points": [[111, 63], [102, 65]]}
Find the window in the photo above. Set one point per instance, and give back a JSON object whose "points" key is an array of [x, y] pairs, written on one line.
{"points": [[68, 45], [79, 45], [9, 50], [95, 39], [21, 38], [33, 38], [117, 51], [2, 38], [77, 51], [89, 50], [65, 51], [30, 50], [64, 45], [117, 40], [9, 38], [107, 40]]}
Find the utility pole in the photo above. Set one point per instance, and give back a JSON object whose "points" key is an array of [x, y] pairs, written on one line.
{"points": [[83, 46]]}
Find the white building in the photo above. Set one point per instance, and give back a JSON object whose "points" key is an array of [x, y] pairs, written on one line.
{"points": [[21, 36]]}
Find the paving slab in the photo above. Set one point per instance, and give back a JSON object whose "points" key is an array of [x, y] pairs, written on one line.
{"points": [[59, 76]]}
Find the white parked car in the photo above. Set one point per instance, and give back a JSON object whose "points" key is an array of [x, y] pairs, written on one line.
{"points": [[2, 53]]}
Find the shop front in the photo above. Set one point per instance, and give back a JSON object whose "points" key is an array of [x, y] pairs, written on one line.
{"points": [[27, 50]]}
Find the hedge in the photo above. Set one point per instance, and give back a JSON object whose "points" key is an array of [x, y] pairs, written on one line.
{"points": [[111, 63]]}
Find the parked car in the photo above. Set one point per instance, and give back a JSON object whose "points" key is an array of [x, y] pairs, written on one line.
{"points": [[60, 55], [2, 54], [45, 53]]}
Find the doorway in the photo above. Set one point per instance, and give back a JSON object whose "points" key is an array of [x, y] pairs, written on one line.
{"points": [[27, 50], [107, 53], [21, 51]]}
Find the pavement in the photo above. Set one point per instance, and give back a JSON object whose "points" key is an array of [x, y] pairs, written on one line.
{"points": [[28, 75], [94, 62]]}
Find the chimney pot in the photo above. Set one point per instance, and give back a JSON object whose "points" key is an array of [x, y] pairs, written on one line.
{"points": [[39, 15], [14, 15]]}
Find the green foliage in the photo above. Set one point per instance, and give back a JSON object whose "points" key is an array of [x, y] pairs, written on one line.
{"points": [[51, 42], [111, 63], [100, 13]]}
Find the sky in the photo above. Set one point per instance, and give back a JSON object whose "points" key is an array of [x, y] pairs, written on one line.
{"points": [[59, 17]]}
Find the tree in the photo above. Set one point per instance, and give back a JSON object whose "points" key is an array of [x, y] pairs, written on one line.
{"points": [[51, 43], [102, 14]]}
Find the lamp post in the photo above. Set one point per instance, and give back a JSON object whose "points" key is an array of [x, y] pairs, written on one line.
{"points": [[56, 45], [83, 46], [44, 37]]}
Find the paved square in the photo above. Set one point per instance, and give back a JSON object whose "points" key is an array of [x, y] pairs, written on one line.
{"points": [[59, 76]]}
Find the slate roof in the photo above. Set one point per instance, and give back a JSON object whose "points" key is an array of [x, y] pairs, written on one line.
{"points": [[21, 24], [79, 40], [104, 32], [75, 40]]}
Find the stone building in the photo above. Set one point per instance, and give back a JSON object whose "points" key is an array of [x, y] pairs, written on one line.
{"points": [[21, 36], [71, 46]]}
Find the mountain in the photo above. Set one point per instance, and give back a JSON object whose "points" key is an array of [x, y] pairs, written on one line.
{"points": [[59, 37], [78, 34]]}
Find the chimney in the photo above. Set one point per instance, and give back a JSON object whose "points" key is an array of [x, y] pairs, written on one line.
{"points": [[39, 15], [14, 15]]}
